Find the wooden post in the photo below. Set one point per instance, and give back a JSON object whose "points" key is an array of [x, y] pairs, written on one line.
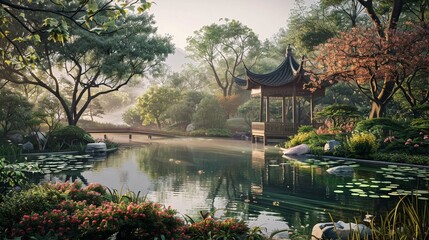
{"points": [[267, 110], [261, 108], [294, 109], [283, 110]]}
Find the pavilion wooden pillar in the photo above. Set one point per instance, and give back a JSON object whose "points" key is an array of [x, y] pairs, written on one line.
{"points": [[267, 110], [283, 109], [261, 107], [294, 118]]}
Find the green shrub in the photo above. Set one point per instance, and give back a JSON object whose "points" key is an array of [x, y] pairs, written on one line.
{"points": [[66, 137], [209, 114], [362, 145], [401, 158], [381, 126], [237, 124], [300, 138], [211, 133], [306, 128], [13, 174], [420, 124], [311, 138]]}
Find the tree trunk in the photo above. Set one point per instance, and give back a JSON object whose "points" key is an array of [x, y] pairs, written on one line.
{"points": [[377, 110]]}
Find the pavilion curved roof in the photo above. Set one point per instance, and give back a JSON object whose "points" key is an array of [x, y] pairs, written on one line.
{"points": [[284, 74]]}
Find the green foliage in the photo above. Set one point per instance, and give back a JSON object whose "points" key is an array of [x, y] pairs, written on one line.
{"points": [[381, 126], [209, 228], [401, 158], [132, 117], [117, 196], [300, 138], [306, 129], [339, 114], [85, 14], [209, 114], [361, 145], [69, 136], [344, 94], [306, 29], [15, 111], [420, 124], [237, 124], [49, 111], [154, 103], [10, 152], [222, 47], [211, 133], [113, 60], [249, 111], [13, 174], [409, 219]]}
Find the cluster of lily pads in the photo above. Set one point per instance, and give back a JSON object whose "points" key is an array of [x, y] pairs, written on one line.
{"points": [[61, 163], [394, 176]]}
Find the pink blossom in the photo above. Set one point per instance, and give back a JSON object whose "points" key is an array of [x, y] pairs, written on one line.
{"points": [[416, 145]]}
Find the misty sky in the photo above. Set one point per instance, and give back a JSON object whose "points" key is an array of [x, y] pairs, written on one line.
{"points": [[180, 18]]}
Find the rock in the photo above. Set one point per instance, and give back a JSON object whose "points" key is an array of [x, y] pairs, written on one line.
{"points": [[96, 148], [15, 138], [341, 170], [28, 146], [297, 150], [190, 128], [340, 231], [330, 145]]}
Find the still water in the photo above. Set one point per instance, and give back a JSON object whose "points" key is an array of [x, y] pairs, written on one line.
{"points": [[251, 182]]}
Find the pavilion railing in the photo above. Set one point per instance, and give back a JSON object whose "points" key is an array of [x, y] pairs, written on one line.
{"points": [[272, 129]]}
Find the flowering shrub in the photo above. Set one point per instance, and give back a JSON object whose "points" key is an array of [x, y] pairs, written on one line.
{"points": [[412, 145], [70, 211]]}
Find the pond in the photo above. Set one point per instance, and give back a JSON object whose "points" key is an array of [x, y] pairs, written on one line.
{"points": [[251, 182]]}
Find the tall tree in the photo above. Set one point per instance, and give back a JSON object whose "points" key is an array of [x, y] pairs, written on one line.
{"points": [[307, 28], [375, 55], [154, 104], [89, 65], [223, 47], [346, 10], [380, 64]]}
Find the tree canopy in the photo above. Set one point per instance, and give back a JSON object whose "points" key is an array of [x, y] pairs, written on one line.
{"points": [[87, 64], [223, 47]]}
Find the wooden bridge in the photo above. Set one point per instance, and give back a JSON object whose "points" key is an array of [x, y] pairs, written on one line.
{"points": [[130, 130]]}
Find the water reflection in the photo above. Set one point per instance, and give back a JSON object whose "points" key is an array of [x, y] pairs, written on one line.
{"points": [[238, 179]]}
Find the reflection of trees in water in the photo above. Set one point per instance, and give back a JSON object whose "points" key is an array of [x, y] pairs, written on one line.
{"points": [[225, 175], [304, 193], [70, 176]]}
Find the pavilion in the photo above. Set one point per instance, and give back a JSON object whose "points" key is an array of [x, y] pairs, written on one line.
{"points": [[285, 82]]}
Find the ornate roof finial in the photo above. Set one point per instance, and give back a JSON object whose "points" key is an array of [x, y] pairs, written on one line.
{"points": [[288, 50]]}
